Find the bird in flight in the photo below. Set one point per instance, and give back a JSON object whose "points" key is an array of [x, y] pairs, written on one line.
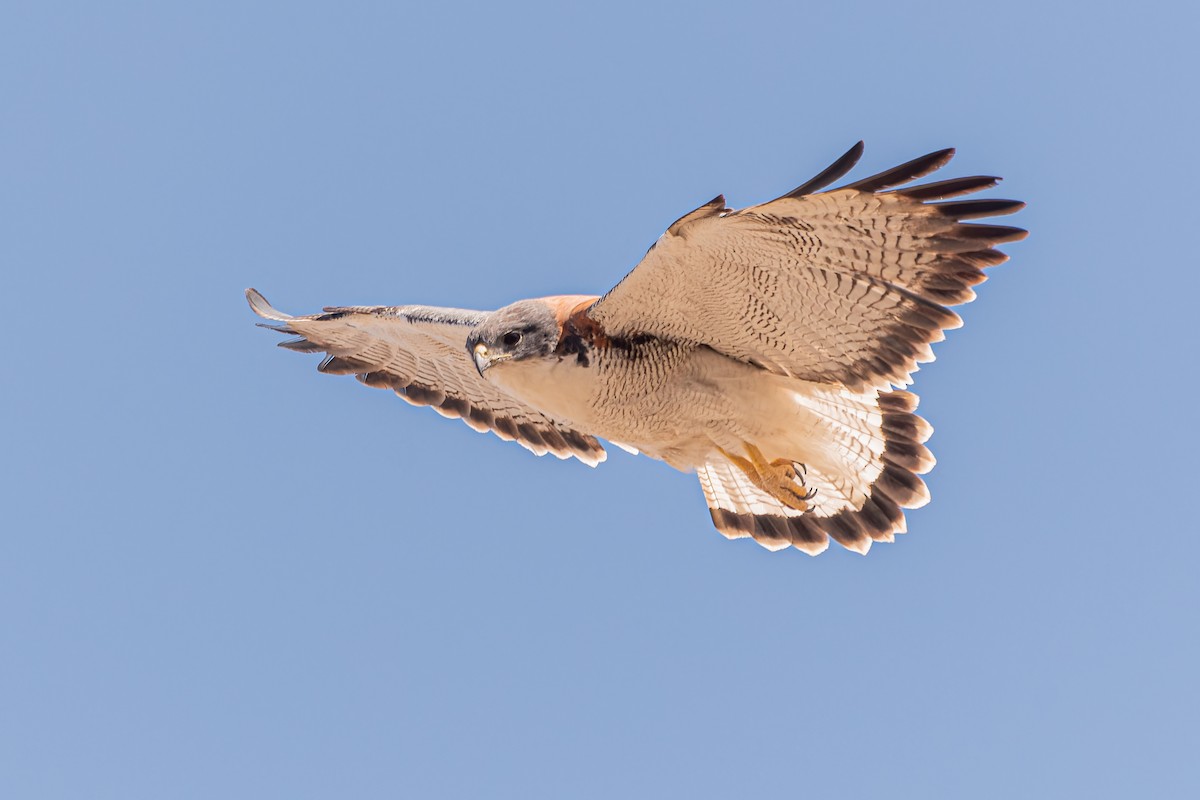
{"points": [[766, 349]]}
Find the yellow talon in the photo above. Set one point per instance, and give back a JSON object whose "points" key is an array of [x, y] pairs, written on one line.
{"points": [[777, 478]]}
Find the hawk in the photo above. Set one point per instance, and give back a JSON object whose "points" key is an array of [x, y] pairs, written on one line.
{"points": [[766, 349]]}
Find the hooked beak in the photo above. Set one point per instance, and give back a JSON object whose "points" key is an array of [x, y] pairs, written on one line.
{"points": [[483, 359]]}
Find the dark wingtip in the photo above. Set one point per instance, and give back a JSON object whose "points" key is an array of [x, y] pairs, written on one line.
{"points": [[975, 209], [908, 171], [991, 234], [831, 173], [953, 187]]}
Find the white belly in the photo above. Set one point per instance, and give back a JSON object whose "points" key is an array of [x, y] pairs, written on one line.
{"points": [[678, 404]]}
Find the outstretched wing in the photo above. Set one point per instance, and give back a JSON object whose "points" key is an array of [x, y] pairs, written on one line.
{"points": [[420, 352], [844, 286]]}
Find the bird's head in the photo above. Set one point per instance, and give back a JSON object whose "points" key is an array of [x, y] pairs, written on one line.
{"points": [[524, 330]]}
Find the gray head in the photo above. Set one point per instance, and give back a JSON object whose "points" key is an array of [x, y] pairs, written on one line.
{"points": [[527, 329]]}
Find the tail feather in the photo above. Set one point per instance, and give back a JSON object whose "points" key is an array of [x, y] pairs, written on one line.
{"points": [[854, 517]]}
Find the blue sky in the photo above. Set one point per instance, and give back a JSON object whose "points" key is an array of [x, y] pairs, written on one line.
{"points": [[224, 575]]}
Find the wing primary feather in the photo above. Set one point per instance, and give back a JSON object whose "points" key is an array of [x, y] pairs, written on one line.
{"points": [[974, 209], [830, 174], [953, 187], [301, 346], [344, 365], [276, 328], [992, 234], [978, 259], [377, 380], [908, 171]]}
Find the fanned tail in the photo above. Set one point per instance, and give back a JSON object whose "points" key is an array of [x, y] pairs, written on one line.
{"points": [[862, 488]]}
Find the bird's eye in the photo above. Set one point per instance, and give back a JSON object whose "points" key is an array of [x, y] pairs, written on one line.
{"points": [[512, 339]]}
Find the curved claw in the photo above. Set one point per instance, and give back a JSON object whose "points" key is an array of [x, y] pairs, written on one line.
{"points": [[779, 478]]}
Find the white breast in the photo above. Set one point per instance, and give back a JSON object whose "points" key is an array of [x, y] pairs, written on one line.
{"points": [[558, 387]]}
